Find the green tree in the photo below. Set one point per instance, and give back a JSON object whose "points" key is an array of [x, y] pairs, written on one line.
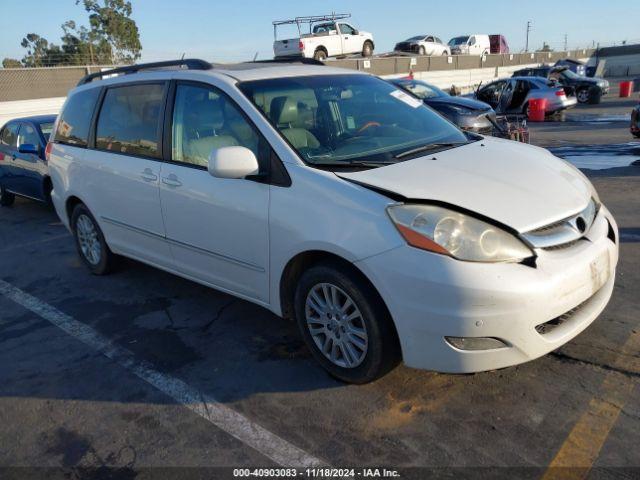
{"points": [[112, 36], [111, 20], [37, 50], [11, 63]]}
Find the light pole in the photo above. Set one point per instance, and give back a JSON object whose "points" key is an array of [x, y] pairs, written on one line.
{"points": [[526, 48]]}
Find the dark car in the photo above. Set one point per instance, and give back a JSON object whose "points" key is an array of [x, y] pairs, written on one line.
{"points": [[587, 90], [23, 168], [466, 113], [635, 122]]}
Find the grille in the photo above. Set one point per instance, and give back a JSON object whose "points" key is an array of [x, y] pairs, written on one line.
{"points": [[565, 233], [551, 325], [562, 246]]}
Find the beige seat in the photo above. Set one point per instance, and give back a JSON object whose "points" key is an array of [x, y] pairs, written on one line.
{"points": [[284, 113], [206, 119]]}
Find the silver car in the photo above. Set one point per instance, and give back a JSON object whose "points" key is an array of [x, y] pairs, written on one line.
{"points": [[512, 95]]}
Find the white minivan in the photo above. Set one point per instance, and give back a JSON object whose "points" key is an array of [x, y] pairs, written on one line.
{"points": [[333, 198], [477, 44]]}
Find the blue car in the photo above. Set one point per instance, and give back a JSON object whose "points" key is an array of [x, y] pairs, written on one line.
{"points": [[23, 167]]}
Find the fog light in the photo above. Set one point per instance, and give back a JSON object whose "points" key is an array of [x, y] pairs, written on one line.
{"points": [[476, 343]]}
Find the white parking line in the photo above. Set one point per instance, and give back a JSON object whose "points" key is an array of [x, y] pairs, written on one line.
{"points": [[235, 424]]}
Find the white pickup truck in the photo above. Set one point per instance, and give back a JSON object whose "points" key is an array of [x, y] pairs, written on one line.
{"points": [[329, 36]]}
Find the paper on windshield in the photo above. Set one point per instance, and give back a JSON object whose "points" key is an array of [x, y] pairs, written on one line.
{"points": [[408, 99]]}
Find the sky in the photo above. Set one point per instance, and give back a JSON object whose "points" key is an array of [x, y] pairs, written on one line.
{"points": [[234, 30]]}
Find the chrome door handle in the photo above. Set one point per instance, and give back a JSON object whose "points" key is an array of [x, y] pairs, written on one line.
{"points": [[148, 175], [172, 181]]}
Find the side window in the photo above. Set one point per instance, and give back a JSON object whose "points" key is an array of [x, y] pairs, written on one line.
{"points": [[75, 119], [438, 40], [130, 118], [429, 39], [347, 29], [205, 119], [472, 41], [10, 135], [28, 134]]}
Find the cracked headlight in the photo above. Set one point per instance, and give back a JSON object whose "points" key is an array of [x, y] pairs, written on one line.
{"points": [[461, 236]]}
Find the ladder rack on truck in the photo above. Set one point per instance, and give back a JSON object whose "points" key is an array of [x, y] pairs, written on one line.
{"points": [[298, 21]]}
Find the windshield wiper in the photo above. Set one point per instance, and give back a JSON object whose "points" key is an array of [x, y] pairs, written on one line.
{"points": [[428, 147]]}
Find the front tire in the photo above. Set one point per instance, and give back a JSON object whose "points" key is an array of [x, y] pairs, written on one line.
{"points": [[583, 95], [90, 242], [422, 51], [345, 324], [6, 198], [367, 49]]}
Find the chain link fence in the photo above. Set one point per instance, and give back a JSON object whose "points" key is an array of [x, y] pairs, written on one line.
{"points": [[46, 82]]}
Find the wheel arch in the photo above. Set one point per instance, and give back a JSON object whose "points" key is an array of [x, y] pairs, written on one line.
{"points": [[301, 262], [70, 204]]}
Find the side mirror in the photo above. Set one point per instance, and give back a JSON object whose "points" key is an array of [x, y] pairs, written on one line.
{"points": [[356, 31], [232, 162], [28, 148]]}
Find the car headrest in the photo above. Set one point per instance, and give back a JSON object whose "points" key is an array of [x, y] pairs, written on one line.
{"points": [[206, 113], [284, 110]]}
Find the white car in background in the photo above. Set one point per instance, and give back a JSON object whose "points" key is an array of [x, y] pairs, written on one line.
{"points": [[333, 198], [329, 36], [423, 45], [477, 44]]}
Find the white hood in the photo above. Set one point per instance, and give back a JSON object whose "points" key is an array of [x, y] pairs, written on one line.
{"points": [[518, 185]]}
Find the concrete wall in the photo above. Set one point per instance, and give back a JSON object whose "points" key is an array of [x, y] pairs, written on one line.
{"points": [[25, 108]]}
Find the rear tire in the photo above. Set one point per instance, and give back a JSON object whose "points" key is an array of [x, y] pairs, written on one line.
{"points": [[6, 198], [367, 49], [90, 242], [349, 321], [320, 55]]}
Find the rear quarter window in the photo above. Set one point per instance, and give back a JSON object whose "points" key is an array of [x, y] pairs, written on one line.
{"points": [[129, 120], [75, 119]]}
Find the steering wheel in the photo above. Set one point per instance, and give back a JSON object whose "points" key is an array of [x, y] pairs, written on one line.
{"points": [[368, 125]]}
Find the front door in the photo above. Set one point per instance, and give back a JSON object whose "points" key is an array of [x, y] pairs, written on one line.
{"points": [[350, 41], [217, 228], [29, 165], [8, 151], [123, 172]]}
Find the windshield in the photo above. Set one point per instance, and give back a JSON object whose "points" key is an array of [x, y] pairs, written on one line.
{"points": [[570, 74], [334, 119], [46, 129], [421, 89], [458, 40], [415, 39]]}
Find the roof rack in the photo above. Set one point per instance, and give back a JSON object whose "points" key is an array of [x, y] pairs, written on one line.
{"points": [[313, 18], [189, 63], [291, 59]]}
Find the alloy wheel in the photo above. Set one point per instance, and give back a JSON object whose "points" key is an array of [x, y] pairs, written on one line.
{"points": [[336, 325], [583, 96], [88, 239]]}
